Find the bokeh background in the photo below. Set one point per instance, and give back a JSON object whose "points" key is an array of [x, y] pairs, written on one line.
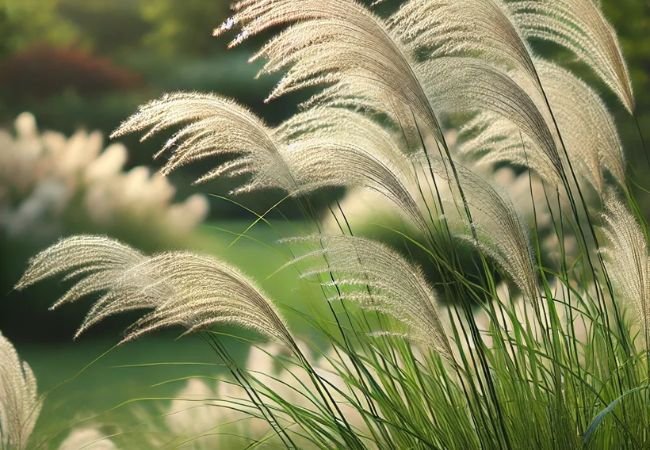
{"points": [[80, 67]]}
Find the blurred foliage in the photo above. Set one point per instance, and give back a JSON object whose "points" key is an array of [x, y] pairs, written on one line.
{"points": [[183, 27], [108, 27], [22, 73], [23, 22]]}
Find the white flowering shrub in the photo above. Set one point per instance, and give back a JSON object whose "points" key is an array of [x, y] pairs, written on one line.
{"points": [[47, 179]]}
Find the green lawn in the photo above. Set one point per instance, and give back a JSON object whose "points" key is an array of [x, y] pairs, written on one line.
{"points": [[106, 391], [83, 389]]}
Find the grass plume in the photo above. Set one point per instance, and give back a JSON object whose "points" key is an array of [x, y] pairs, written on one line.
{"points": [[581, 27], [627, 258], [342, 45], [20, 403], [178, 288], [380, 279]]}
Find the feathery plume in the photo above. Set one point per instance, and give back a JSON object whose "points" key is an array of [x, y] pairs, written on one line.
{"points": [[468, 84], [581, 27], [337, 147], [342, 44], [20, 403], [214, 125], [464, 28], [492, 140], [587, 127], [500, 232], [627, 255], [178, 288], [576, 107], [378, 278]]}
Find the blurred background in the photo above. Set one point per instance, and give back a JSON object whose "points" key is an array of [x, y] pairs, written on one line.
{"points": [[70, 72]]}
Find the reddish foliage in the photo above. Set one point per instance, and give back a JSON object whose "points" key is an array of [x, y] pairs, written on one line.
{"points": [[42, 71]]}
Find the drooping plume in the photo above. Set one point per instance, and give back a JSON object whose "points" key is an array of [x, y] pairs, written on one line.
{"points": [[338, 147], [464, 28], [342, 44], [587, 127], [499, 231], [489, 139], [20, 403], [627, 258], [213, 126], [581, 27], [378, 278], [576, 108], [470, 85], [178, 288]]}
